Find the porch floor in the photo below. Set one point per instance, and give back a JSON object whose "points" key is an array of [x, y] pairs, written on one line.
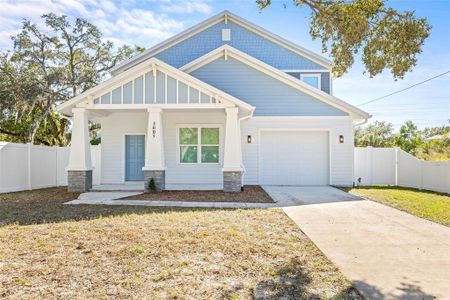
{"points": [[134, 186]]}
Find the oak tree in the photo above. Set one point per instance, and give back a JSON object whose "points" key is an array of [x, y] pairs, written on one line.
{"points": [[384, 37]]}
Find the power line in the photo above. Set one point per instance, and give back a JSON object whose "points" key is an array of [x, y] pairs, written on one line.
{"points": [[402, 90]]}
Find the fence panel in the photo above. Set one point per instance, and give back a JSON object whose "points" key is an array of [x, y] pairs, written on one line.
{"points": [[436, 176], [43, 166], [13, 167], [25, 166], [394, 166], [375, 165], [409, 170]]}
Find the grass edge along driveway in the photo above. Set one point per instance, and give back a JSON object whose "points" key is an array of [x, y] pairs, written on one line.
{"points": [[424, 204]]}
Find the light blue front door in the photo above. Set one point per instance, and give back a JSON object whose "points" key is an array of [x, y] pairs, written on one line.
{"points": [[134, 157]]}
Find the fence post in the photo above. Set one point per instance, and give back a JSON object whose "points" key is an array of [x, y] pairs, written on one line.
{"points": [[396, 166], [421, 174], [29, 166], [370, 165], [56, 166], [448, 176]]}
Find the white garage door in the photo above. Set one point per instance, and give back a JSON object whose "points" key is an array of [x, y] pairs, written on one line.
{"points": [[294, 158]]}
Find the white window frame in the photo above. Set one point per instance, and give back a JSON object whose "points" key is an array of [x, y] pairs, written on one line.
{"points": [[317, 75], [199, 143]]}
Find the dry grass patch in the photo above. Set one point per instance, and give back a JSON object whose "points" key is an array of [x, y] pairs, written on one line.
{"points": [[251, 193], [127, 252]]}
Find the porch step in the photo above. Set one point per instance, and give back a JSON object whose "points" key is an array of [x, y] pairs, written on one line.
{"points": [[127, 187]]}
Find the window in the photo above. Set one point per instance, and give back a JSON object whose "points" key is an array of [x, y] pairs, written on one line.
{"points": [[198, 145], [311, 79]]}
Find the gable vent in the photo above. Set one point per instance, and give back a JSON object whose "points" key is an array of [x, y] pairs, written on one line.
{"points": [[226, 35]]}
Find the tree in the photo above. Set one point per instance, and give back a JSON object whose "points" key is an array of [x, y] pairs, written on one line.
{"points": [[379, 134], [409, 138], [46, 67], [385, 38]]}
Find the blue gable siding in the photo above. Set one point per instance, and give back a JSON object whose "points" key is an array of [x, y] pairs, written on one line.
{"points": [[242, 39], [271, 97]]}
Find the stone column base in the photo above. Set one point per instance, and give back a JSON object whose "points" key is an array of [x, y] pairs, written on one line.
{"points": [[232, 182], [79, 181], [159, 177]]}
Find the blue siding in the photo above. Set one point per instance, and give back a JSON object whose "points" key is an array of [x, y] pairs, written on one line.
{"points": [[242, 39], [270, 96]]}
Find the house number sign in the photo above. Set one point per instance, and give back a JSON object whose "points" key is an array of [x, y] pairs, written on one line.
{"points": [[154, 129]]}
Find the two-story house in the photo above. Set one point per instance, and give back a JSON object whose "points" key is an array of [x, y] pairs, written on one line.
{"points": [[222, 104]]}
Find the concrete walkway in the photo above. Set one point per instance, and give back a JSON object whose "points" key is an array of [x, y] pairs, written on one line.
{"points": [[287, 196], [388, 254]]}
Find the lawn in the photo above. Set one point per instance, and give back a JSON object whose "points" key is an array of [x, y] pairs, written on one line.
{"points": [[428, 205], [51, 250]]}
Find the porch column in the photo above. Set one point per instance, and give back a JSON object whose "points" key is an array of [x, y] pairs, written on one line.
{"points": [[79, 170], [232, 170], [154, 152]]}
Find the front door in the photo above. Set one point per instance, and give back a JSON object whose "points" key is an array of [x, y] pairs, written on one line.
{"points": [[134, 157]]}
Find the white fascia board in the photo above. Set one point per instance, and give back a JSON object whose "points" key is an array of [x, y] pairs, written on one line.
{"points": [[66, 107], [326, 63], [277, 74]]}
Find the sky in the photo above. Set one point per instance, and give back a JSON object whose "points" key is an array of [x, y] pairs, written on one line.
{"points": [[148, 22]]}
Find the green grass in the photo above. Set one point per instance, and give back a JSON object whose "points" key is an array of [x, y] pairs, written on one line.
{"points": [[425, 204], [49, 250]]}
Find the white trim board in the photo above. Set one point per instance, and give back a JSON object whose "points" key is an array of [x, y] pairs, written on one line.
{"points": [[228, 51], [225, 16]]}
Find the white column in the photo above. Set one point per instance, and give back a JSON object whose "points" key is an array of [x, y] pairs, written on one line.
{"points": [[154, 150], [80, 148], [232, 153]]}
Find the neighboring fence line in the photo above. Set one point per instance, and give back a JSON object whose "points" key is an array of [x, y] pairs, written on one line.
{"points": [[394, 166], [26, 166]]}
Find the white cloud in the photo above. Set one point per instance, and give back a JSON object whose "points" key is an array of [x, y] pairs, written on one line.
{"points": [[129, 22]]}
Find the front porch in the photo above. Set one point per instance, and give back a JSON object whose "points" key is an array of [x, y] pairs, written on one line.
{"points": [[160, 126]]}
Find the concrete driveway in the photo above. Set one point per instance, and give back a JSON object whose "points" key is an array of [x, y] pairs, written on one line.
{"points": [[388, 254]]}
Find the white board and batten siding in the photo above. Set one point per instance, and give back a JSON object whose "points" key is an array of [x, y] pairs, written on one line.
{"points": [[320, 134]]}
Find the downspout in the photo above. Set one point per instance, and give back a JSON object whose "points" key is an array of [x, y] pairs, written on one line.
{"points": [[242, 164]]}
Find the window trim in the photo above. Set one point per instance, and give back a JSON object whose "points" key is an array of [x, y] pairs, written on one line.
{"points": [[317, 75], [199, 144]]}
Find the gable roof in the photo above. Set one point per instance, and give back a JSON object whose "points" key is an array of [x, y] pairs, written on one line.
{"points": [[223, 16], [227, 50], [66, 107]]}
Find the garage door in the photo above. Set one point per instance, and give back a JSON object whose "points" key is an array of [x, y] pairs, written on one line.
{"points": [[294, 158]]}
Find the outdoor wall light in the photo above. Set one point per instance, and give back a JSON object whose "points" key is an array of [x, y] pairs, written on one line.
{"points": [[249, 139], [341, 139]]}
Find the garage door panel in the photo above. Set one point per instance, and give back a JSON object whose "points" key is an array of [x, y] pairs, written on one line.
{"points": [[294, 158]]}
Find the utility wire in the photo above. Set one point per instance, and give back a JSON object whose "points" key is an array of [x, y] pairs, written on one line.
{"points": [[402, 90]]}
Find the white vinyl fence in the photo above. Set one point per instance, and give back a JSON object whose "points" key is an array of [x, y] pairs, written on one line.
{"points": [[394, 166], [26, 166]]}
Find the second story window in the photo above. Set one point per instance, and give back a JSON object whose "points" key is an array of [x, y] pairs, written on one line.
{"points": [[311, 79]]}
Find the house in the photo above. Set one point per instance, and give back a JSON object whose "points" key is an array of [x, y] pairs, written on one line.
{"points": [[222, 104]]}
